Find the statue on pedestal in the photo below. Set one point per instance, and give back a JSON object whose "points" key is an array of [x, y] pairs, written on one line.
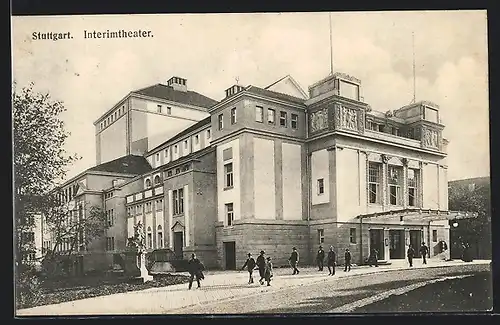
{"points": [[137, 243]]}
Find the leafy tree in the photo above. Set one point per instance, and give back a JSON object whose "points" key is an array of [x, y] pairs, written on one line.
{"points": [[71, 230], [40, 162], [474, 199]]}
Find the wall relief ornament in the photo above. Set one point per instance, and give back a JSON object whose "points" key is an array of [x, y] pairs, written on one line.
{"points": [[319, 120], [430, 138], [405, 161], [349, 118], [385, 158]]}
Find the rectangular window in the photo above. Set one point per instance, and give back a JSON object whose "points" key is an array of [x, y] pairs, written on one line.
{"points": [[157, 157], [160, 240], [169, 173], [221, 121], [395, 174], [352, 235], [228, 175], [175, 149], [380, 128], [321, 186], [185, 144], [196, 139], [158, 108], [321, 236], [395, 131], [110, 243], [283, 119], [412, 187], [159, 205], [175, 202], [229, 214], [169, 110], [110, 217], [233, 115], [295, 121], [208, 134], [181, 200], [374, 178], [259, 113], [434, 235], [150, 239], [271, 116]]}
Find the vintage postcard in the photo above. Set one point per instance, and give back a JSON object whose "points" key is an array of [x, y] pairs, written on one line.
{"points": [[270, 163]]}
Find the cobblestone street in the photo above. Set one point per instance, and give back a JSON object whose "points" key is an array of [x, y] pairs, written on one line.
{"points": [[222, 291]]}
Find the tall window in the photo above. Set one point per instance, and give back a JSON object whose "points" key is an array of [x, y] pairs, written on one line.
{"points": [[160, 237], [111, 217], [259, 113], [352, 235], [148, 207], [169, 110], [110, 243], [228, 175], [150, 238], [283, 119], [208, 134], [196, 139], [158, 108], [233, 115], [295, 121], [321, 236], [159, 205], [271, 116], [321, 186], [221, 121], [434, 235], [178, 201], [395, 174], [229, 214], [374, 180], [412, 187]]}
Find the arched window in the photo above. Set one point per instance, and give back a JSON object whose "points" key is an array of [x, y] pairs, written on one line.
{"points": [[160, 237], [157, 179], [150, 238], [148, 182]]}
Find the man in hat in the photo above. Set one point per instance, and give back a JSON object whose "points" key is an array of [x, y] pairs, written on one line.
{"points": [[347, 257], [268, 271], [424, 250], [261, 264], [320, 257], [294, 261], [250, 264], [195, 268], [331, 261]]}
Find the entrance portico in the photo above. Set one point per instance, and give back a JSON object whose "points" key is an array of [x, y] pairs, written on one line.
{"points": [[391, 232]]}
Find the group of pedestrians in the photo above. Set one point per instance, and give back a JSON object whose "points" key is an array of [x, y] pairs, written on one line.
{"points": [[410, 253], [331, 260], [263, 264]]}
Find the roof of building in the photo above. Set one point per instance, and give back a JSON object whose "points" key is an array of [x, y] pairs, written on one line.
{"points": [[184, 97], [293, 81], [274, 94], [192, 155], [185, 132], [130, 164]]}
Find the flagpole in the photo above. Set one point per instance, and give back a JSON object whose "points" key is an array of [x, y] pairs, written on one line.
{"points": [[414, 74], [331, 45]]}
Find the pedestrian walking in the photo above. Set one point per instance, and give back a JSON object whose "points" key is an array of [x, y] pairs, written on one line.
{"points": [[250, 265], [195, 268], [331, 261], [269, 271], [320, 257], [347, 257], [261, 264], [294, 261], [373, 258], [409, 254], [424, 250]]}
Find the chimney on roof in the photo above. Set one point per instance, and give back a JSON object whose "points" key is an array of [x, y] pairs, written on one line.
{"points": [[233, 90], [177, 83]]}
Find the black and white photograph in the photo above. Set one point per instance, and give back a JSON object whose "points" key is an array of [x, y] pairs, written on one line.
{"points": [[329, 163]]}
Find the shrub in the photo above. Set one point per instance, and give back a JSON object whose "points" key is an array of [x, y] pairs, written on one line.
{"points": [[28, 288]]}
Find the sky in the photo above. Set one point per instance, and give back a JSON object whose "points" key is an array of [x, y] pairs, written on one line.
{"points": [[212, 50]]}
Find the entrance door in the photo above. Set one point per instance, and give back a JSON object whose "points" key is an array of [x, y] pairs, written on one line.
{"points": [[397, 247], [230, 255], [178, 244], [377, 242], [415, 241]]}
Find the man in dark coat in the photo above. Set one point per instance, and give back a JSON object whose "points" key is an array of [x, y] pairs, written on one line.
{"points": [[409, 254], [373, 259], [320, 257], [294, 261], [195, 268], [331, 261], [424, 251], [261, 264], [250, 264], [347, 257], [269, 271]]}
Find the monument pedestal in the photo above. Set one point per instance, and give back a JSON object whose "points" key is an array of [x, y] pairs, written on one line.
{"points": [[141, 264]]}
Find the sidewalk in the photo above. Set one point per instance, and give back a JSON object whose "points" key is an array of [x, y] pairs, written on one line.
{"points": [[217, 286]]}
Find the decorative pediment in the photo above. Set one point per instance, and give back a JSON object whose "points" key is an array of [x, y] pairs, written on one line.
{"points": [[178, 226]]}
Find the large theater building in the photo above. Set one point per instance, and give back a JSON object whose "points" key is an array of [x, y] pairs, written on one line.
{"points": [[273, 168]]}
